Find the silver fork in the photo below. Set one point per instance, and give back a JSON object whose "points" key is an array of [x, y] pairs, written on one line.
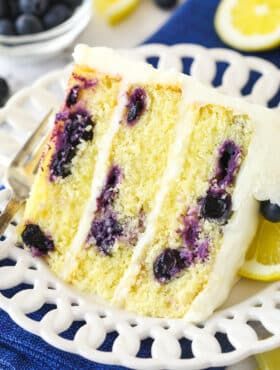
{"points": [[21, 171]]}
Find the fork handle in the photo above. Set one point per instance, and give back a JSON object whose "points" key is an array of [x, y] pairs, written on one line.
{"points": [[9, 212]]}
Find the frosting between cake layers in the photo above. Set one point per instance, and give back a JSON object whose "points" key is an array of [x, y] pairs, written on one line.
{"points": [[182, 132], [259, 177], [101, 167]]}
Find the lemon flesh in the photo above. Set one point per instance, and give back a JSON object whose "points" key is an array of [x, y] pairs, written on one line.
{"points": [[263, 257], [269, 360], [114, 11], [249, 25]]}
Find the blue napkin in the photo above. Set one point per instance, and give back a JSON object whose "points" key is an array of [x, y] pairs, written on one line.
{"points": [[20, 350], [192, 22]]}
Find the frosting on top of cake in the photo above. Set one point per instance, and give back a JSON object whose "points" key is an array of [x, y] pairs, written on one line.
{"points": [[110, 62]]}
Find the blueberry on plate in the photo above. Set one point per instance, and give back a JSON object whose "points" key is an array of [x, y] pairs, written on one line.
{"points": [[4, 91], [14, 9], [35, 7], [27, 24], [56, 15], [166, 4], [7, 27], [73, 3], [270, 211], [4, 9]]}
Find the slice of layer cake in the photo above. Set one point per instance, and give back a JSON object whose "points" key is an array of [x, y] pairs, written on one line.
{"points": [[146, 194], [63, 185]]}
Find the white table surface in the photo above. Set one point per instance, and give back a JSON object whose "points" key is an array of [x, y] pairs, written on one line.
{"points": [[139, 26]]}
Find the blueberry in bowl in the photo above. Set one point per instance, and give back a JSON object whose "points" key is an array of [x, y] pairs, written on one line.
{"points": [[40, 28], [26, 17]]}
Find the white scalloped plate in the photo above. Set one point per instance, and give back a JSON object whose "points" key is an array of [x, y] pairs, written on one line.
{"points": [[250, 320]]}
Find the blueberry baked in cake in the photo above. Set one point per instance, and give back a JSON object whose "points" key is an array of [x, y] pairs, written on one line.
{"points": [[147, 191]]}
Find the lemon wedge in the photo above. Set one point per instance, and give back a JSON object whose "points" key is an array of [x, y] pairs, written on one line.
{"points": [[114, 11], [249, 25], [263, 257], [269, 360]]}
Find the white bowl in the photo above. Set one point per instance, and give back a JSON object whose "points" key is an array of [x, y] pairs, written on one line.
{"points": [[49, 42]]}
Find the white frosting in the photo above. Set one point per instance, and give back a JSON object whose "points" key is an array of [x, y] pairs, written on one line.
{"points": [[110, 62], [259, 177]]}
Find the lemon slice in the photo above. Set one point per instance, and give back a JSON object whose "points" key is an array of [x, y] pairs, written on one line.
{"points": [[263, 257], [249, 25], [269, 360], [115, 11]]}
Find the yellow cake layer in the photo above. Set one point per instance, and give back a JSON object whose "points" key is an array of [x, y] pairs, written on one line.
{"points": [[141, 152], [58, 206], [211, 126]]}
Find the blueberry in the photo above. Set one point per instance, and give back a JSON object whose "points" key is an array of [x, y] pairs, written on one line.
{"points": [[191, 229], [14, 8], [4, 9], [136, 105], [78, 127], [169, 264], [228, 162], [72, 3], [202, 250], [216, 206], [34, 238], [109, 191], [73, 96], [4, 91], [270, 211], [35, 7], [27, 24], [61, 163], [113, 177], [6, 27], [56, 15], [166, 4], [105, 232]]}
